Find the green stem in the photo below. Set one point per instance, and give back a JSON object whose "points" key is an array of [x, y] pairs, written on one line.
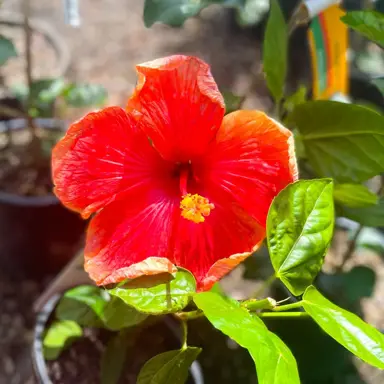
{"points": [[184, 316], [184, 327], [266, 284], [287, 307], [253, 304], [283, 314]]}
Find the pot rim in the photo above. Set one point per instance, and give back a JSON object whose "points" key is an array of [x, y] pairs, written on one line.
{"points": [[31, 201], [38, 361]]}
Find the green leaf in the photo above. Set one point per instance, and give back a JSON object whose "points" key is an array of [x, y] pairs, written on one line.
{"points": [[7, 50], [354, 195], [83, 304], [299, 230], [175, 12], [59, 336], [92, 306], [275, 51], [232, 101], [343, 141], [117, 315], [274, 361], [359, 282], [168, 367], [85, 95], [354, 334], [158, 294], [299, 97], [171, 12], [114, 357], [369, 23], [372, 216]]}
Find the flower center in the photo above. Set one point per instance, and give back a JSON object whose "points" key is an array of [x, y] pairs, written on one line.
{"points": [[193, 206]]}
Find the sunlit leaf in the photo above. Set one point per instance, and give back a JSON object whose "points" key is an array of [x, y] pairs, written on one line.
{"points": [[368, 22], [275, 363], [163, 293], [169, 367], [275, 51], [299, 230], [354, 334], [354, 195], [343, 141], [59, 336]]}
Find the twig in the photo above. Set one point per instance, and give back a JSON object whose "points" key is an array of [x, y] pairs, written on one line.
{"points": [[28, 64], [351, 248]]}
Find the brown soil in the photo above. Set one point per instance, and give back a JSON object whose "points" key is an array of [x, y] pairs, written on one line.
{"points": [[25, 165], [81, 362]]}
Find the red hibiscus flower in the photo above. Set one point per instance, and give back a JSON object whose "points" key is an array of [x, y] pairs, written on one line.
{"points": [[170, 180]]}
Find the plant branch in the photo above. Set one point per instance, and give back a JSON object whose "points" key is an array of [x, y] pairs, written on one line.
{"points": [[351, 247], [184, 316], [283, 314], [287, 307], [253, 304], [28, 63]]}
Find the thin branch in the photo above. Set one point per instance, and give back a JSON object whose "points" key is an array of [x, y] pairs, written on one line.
{"points": [[28, 63]]}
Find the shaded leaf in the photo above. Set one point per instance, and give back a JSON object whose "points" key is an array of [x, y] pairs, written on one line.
{"points": [[354, 195], [274, 361], [299, 230], [232, 101], [59, 336], [117, 315], [372, 216], [275, 51], [83, 304], [85, 95], [368, 22], [168, 367], [175, 12], [114, 357], [343, 141], [7, 49], [93, 307], [157, 294], [354, 334]]}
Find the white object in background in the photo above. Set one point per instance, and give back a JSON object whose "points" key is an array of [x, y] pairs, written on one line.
{"points": [[315, 7], [341, 98], [71, 13]]}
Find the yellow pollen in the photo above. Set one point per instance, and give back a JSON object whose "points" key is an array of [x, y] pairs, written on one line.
{"points": [[195, 207]]}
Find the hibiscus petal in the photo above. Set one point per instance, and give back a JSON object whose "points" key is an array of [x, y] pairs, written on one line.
{"points": [[102, 155], [212, 249], [132, 237], [178, 104], [251, 161]]}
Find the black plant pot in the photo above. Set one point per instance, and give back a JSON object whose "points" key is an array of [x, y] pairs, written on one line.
{"points": [[37, 234], [166, 328]]}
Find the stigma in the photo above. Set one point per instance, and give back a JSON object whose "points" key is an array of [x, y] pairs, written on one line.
{"points": [[195, 207]]}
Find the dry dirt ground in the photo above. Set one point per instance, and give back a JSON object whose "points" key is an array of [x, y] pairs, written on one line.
{"points": [[104, 49]]}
